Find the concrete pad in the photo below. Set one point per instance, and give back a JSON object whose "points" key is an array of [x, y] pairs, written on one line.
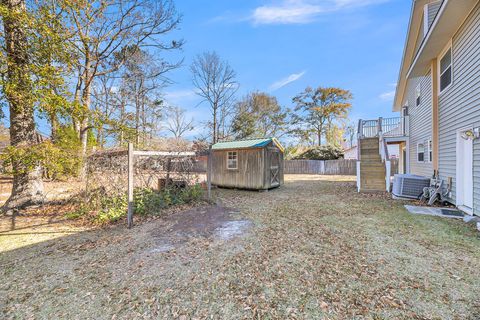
{"points": [[436, 212]]}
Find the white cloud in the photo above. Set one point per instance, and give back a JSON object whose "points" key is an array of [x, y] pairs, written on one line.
{"points": [[180, 94], [387, 96], [302, 11], [286, 13], [180, 97], [283, 82]]}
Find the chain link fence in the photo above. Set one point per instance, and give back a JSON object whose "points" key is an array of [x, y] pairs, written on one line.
{"points": [[141, 180]]}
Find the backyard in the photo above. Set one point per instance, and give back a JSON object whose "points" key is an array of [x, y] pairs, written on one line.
{"points": [[312, 249]]}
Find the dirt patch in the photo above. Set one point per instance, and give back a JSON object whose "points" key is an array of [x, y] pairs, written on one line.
{"points": [[216, 222]]}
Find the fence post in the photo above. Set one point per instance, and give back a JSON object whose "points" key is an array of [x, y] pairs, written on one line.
{"points": [[167, 179], [131, 160], [380, 126], [360, 129], [209, 173]]}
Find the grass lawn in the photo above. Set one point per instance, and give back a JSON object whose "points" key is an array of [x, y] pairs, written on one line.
{"points": [[313, 249]]}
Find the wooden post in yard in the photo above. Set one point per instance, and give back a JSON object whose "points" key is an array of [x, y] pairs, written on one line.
{"points": [[209, 173], [130, 185], [169, 167]]}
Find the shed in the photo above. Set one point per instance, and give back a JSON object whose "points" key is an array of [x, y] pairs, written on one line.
{"points": [[254, 164]]}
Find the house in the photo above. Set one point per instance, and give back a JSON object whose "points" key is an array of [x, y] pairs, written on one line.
{"points": [[351, 153], [255, 164], [438, 98]]}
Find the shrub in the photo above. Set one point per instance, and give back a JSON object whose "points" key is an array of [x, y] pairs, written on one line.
{"points": [[149, 201], [192, 194], [321, 153], [113, 208], [103, 208]]}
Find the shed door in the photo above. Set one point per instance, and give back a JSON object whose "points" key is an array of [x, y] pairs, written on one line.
{"points": [[275, 169]]}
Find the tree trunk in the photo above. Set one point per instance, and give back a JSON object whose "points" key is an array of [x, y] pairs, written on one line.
{"points": [[122, 119], [27, 184], [137, 121], [86, 79], [84, 125], [144, 122], [214, 137]]}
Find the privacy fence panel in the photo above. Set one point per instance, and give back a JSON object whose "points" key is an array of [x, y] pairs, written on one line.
{"points": [[329, 167], [304, 167], [341, 167]]}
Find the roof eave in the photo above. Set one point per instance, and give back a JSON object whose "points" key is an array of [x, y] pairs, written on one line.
{"points": [[450, 18], [400, 84]]}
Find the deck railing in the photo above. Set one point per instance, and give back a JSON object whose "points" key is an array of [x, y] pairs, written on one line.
{"points": [[388, 127]]}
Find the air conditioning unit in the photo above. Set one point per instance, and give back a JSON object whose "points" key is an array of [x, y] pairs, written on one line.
{"points": [[409, 186]]}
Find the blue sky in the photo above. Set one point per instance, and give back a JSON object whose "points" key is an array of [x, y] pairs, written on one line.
{"points": [[283, 46]]}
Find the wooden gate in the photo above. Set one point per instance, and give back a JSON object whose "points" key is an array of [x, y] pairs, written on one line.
{"points": [[275, 169]]}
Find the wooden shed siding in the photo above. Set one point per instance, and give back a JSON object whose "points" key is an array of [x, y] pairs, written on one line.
{"points": [[420, 122], [254, 168], [459, 105], [248, 175]]}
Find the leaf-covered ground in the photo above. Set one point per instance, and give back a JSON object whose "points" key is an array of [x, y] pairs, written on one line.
{"points": [[314, 249]]}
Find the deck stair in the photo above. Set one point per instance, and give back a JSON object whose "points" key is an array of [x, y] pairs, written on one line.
{"points": [[372, 168]]}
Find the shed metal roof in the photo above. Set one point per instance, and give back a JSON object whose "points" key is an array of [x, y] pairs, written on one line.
{"points": [[246, 144]]}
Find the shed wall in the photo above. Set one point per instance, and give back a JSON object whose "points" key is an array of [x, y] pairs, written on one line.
{"points": [[250, 172]]}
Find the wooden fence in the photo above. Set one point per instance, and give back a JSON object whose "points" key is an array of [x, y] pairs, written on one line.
{"points": [[328, 167]]}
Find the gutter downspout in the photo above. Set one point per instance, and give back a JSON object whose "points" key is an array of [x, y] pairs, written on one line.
{"points": [[435, 118]]}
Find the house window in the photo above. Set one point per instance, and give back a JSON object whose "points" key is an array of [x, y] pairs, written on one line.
{"points": [[418, 92], [430, 151], [232, 160], [420, 152], [446, 70]]}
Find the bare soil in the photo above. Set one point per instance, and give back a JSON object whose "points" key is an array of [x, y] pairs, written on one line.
{"points": [[209, 222], [312, 249]]}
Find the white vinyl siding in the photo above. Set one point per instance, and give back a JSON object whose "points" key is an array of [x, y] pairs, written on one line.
{"points": [[432, 11], [420, 123], [459, 106]]}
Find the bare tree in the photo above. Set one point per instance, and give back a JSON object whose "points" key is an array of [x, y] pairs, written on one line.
{"points": [[176, 122], [217, 85], [103, 93], [103, 29], [350, 132], [143, 80]]}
